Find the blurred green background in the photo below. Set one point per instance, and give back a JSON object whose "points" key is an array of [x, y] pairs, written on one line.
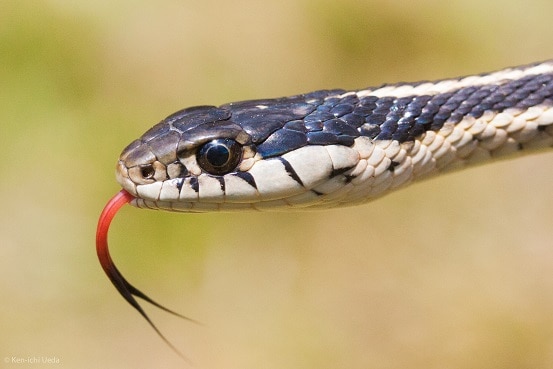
{"points": [[450, 273]]}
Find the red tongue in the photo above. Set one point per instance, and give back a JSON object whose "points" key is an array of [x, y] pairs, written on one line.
{"points": [[112, 207], [126, 290]]}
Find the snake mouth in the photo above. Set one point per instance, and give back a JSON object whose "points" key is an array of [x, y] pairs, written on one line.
{"points": [[123, 178]]}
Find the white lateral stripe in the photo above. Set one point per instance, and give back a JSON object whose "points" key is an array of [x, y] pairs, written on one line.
{"points": [[435, 88]]}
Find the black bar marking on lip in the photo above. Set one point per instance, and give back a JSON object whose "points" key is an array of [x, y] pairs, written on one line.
{"points": [[349, 178], [337, 172], [290, 170], [180, 182], [194, 184], [393, 165], [221, 182], [246, 176]]}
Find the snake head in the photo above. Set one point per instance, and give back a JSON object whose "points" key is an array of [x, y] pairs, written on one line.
{"points": [[193, 145], [260, 155]]}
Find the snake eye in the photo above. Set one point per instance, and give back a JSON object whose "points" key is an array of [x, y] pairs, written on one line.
{"points": [[147, 171], [219, 156]]}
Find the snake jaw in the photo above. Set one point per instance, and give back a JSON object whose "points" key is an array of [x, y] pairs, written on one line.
{"points": [[127, 290]]}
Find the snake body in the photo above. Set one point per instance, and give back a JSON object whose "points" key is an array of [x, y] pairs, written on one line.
{"points": [[326, 148], [334, 147]]}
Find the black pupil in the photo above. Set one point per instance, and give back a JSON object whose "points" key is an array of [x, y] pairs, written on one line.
{"points": [[217, 155]]}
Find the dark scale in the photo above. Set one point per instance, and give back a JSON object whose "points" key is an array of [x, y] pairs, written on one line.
{"points": [[193, 117], [407, 119], [537, 93], [383, 105], [316, 120], [314, 126], [363, 110], [461, 95], [401, 104], [387, 129], [260, 132], [368, 104], [441, 99], [395, 118], [354, 119], [321, 138], [531, 84], [346, 140], [339, 127], [495, 97], [341, 110], [397, 110], [449, 106], [531, 100], [321, 95], [469, 99], [370, 130], [546, 90], [295, 125], [415, 131], [441, 117], [414, 109], [281, 141], [350, 99], [376, 119], [402, 132], [427, 115], [329, 103], [477, 102], [463, 109]]}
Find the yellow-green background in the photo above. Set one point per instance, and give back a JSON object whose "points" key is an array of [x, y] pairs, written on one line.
{"points": [[451, 273]]}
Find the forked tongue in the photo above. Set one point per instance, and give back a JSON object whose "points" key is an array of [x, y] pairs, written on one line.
{"points": [[127, 290]]}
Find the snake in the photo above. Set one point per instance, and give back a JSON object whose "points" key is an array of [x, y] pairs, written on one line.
{"points": [[328, 148]]}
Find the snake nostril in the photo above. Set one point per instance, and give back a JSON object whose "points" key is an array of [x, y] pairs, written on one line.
{"points": [[147, 171]]}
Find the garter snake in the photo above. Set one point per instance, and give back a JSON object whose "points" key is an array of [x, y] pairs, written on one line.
{"points": [[328, 148]]}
